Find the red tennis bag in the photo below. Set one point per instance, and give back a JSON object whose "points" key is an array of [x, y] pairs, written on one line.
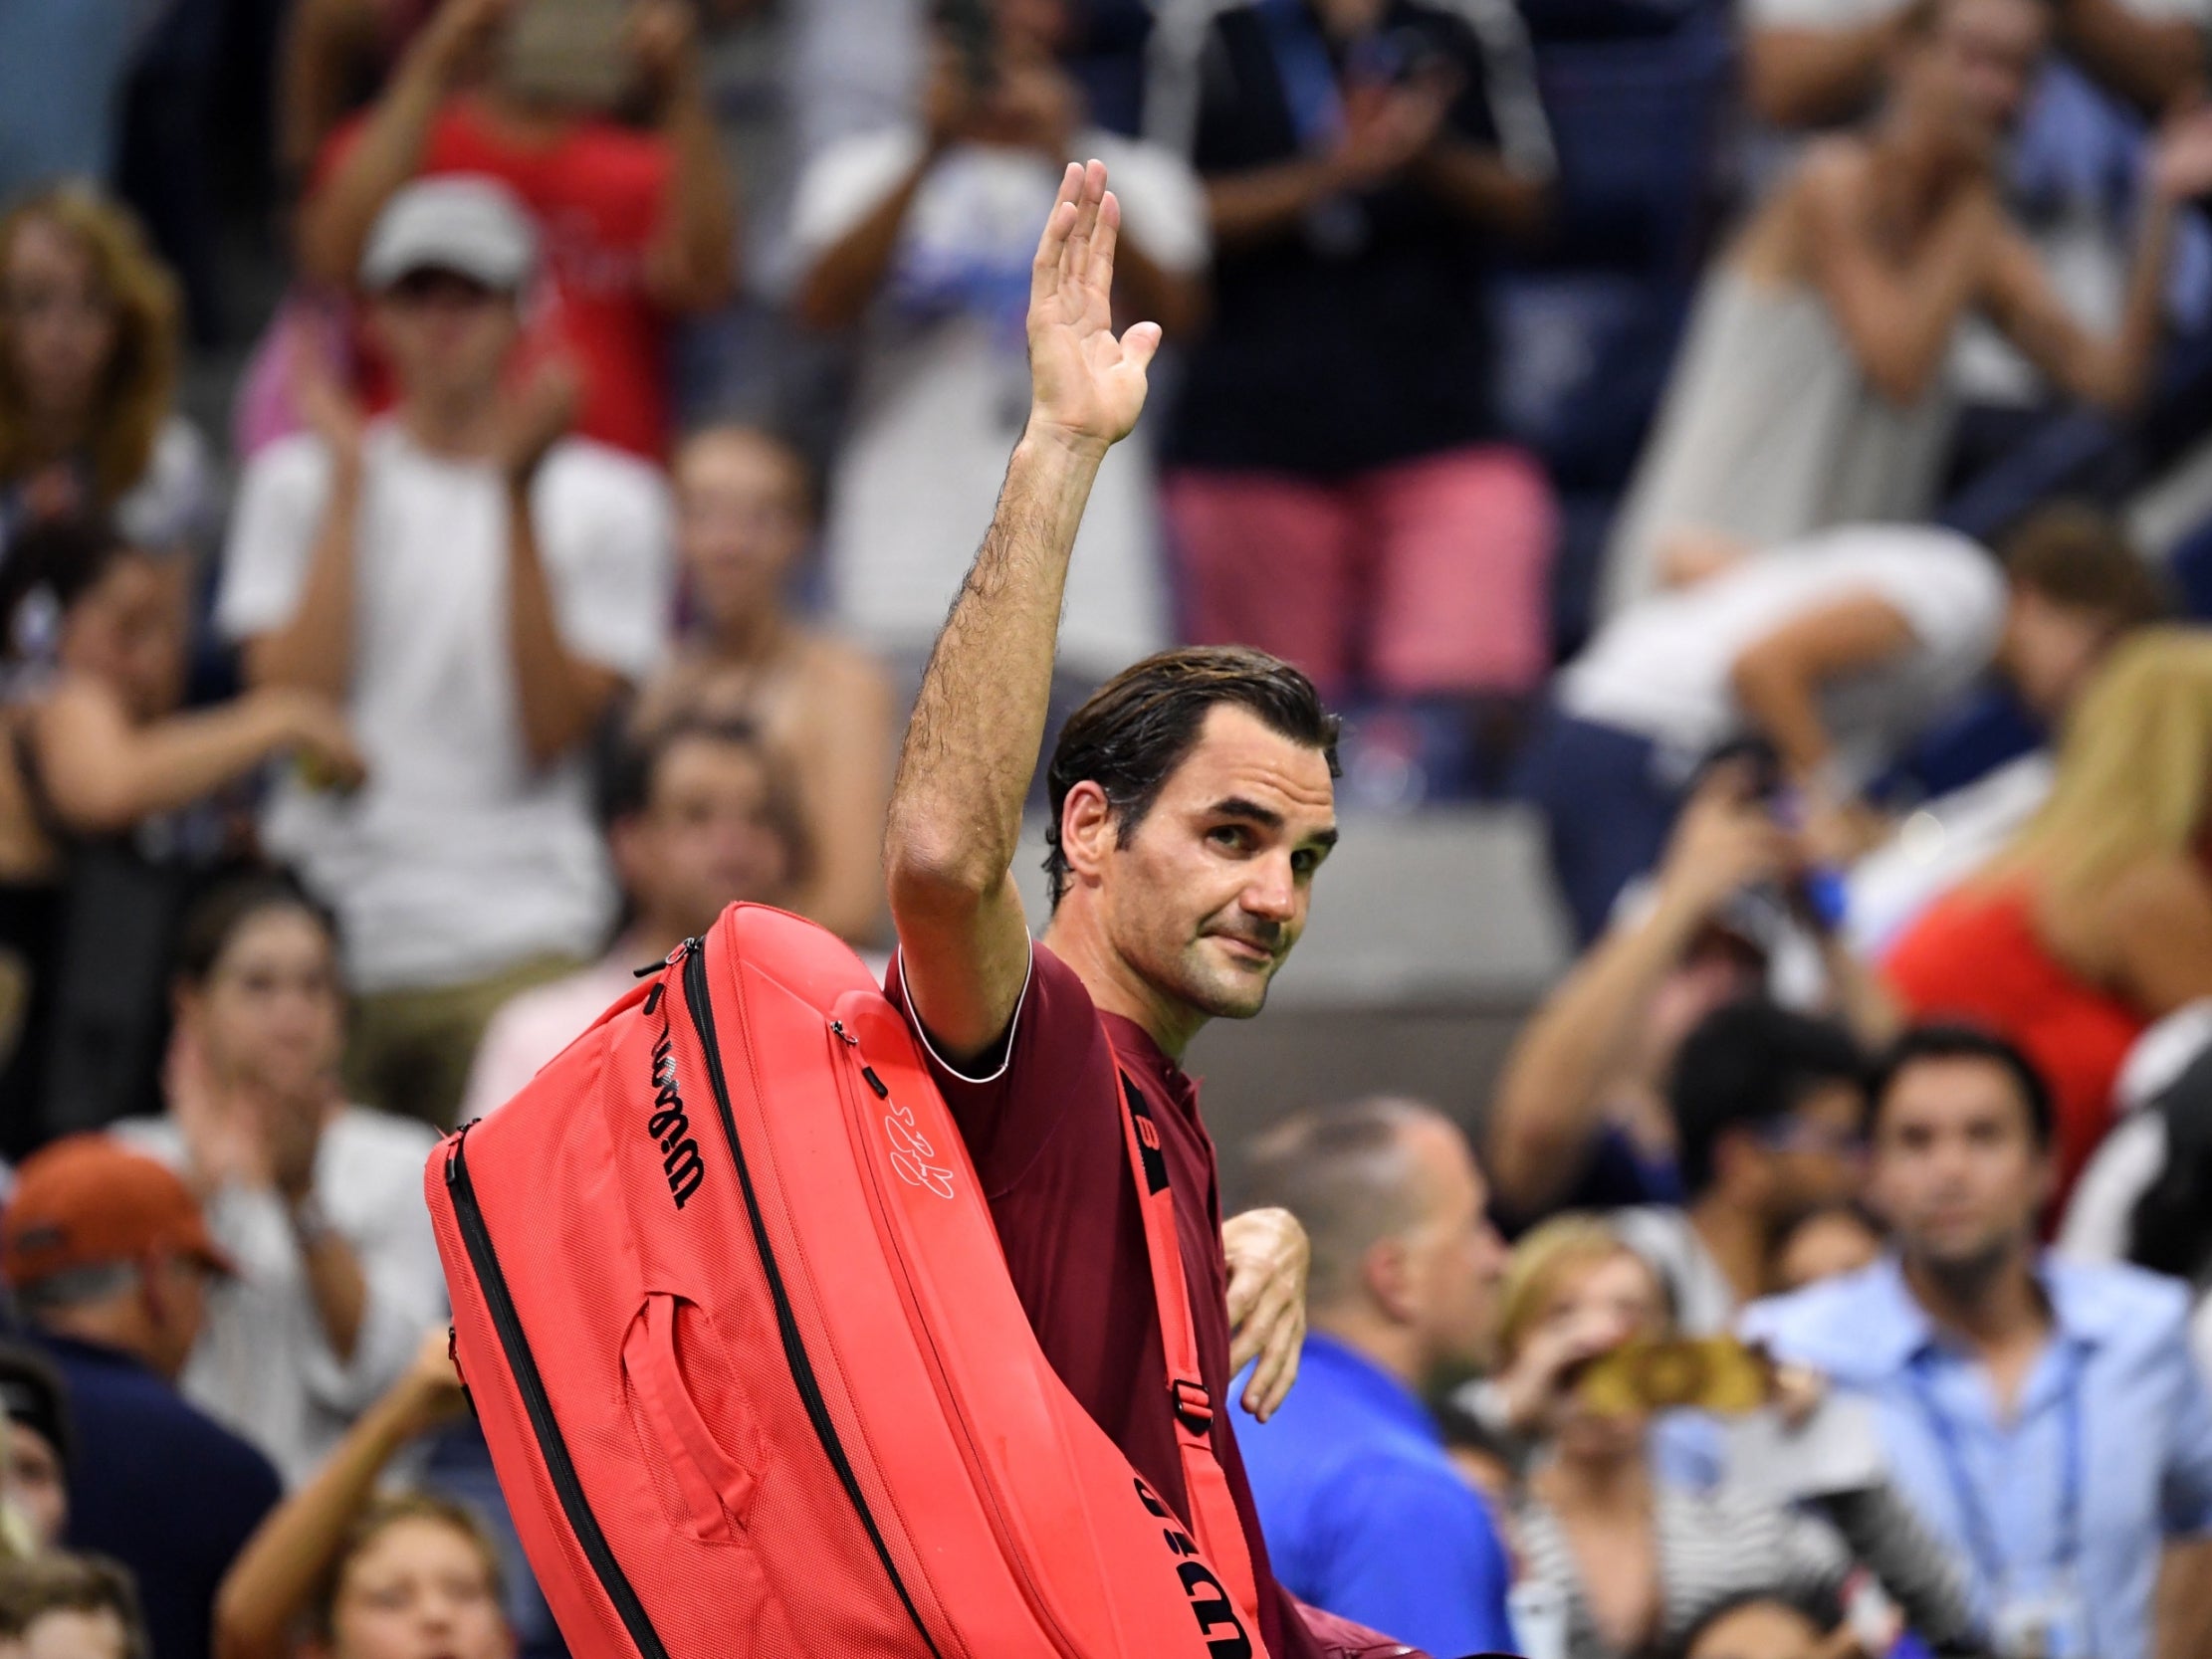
{"points": [[735, 1318]]}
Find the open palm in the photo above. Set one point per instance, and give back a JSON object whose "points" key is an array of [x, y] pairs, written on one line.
{"points": [[1087, 387]]}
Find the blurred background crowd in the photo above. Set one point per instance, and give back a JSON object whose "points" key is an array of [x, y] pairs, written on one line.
{"points": [[479, 480]]}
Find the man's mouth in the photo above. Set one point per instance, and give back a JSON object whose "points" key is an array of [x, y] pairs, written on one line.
{"points": [[1245, 950]]}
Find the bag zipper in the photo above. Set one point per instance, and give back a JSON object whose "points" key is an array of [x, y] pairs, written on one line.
{"points": [[696, 997], [508, 1325]]}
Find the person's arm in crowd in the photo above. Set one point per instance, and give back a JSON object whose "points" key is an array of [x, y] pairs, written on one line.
{"points": [[1384, 131], [101, 773], [1550, 1101], [845, 787], [1478, 185], [836, 289], [2111, 370], [275, 1579], [1777, 680], [2157, 919], [1919, 1572], [314, 649], [336, 217], [1798, 77], [1896, 318], [559, 694], [322, 41], [2155, 62], [971, 745], [691, 265], [2181, 1617]]}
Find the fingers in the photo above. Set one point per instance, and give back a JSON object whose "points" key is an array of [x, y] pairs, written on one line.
{"points": [[1279, 1365], [1044, 271], [1075, 260], [1138, 344], [1103, 240], [1246, 1283]]}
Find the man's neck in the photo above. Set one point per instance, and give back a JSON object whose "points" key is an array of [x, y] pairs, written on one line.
{"points": [[1996, 1304], [1075, 935], [1737, 1242], [752, 634], [1596, 1486], [1389, 1348], [456, 429]]}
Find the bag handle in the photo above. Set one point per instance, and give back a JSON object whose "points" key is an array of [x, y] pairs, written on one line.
{"points": [[1214, 1513]]}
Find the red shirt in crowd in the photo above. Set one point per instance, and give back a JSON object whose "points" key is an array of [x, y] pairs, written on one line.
{"points": [[598, 192], [1046, 1133]]}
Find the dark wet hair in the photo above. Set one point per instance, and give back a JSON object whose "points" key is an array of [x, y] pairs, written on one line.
{"points": [[1143, 723], [1749, 1066], [1956, 1040]]}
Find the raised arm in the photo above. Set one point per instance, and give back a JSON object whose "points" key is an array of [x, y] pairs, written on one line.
{"points": [[1796, 75], [972, 747], [1777, 680], [692, 261]]}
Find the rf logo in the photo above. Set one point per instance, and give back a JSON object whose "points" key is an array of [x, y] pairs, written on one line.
{"points": [[1210, 1602], [671, 1129], [912, 1155]]}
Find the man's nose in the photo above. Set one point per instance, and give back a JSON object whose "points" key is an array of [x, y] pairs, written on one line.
{"points": [[1273, 892]]}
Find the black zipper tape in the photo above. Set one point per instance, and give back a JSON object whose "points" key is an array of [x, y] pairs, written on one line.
{"points": [[558, 1464], [787, 1322]]}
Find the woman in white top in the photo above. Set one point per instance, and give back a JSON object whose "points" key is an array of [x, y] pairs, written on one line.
{"points": [[1807, 392], [319, 1202]]}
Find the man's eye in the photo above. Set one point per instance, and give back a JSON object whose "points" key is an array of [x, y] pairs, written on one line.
{"points": [[1229, 835]]}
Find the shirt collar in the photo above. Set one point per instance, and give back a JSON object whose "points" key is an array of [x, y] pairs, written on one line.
{"points": [[1898, 1330], [1134, 1044], [1374, 1387]]}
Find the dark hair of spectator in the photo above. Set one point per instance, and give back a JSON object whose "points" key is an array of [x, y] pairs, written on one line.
{"points": [[32, 1396], [633, 760], [380, 1517], [1823, 1612], [1951, 1040], [2078, 556], [215, 918], [806, 473], [1143, 723], [1749, 1066], [140, 381], [28, 1590], [61, 558]]}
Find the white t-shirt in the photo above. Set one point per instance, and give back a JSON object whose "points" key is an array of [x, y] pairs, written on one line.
{"points": [[263, 1365], [944, 386], [1663, 668], [458, 857]]}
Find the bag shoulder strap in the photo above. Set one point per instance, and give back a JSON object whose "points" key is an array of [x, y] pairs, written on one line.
{"points": [[1213, 1514]]}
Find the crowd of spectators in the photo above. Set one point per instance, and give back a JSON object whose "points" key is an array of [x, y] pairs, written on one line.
{"points": [[1709, 428]]}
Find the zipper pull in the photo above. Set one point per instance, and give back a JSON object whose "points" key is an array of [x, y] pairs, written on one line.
{"points": [[453, 1147], [845, 1036], [683, 950]]}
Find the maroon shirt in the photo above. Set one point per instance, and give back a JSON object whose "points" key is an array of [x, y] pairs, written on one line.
{"points": [[1044, 1131]]}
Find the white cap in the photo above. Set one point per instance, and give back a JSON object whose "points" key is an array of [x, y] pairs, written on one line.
{"points": [[461, 222]]}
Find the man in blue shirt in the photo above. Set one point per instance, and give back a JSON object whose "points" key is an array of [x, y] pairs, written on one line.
{"points": [[1364, 1513], [2045, 1416]]}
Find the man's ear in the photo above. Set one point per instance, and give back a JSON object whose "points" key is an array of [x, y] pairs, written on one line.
{"points": [[1089, 830], [1384, 1275]]}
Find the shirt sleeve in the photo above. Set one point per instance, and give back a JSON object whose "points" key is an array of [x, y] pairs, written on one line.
{"points": [[271, 538], [1008, 1103], [1948, 592], [614, 571], [1418, 1557], [2186, 1498], [845, 182], [1164, 207]]}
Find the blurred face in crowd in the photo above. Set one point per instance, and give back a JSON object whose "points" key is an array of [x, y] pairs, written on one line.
{"points": [[36, 1484], [172, 1294], [1212, 886], [1716, 971], [420, 1589], [1964, 77], [1030, 28], [1346, 18], [447, 337], [1441, 1277], [2050, 649], [707, 837], [1761, 1630], [271, 1014], [130, 630], [1811, 1157], [1956, 1169], [1594, 1306], [72, 1633], [62, 325], [1825, 1245], [743, 520]]}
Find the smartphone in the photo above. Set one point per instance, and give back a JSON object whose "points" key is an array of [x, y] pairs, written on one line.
{"points": [[571, 53], [969, 26], [1706, 1373]]}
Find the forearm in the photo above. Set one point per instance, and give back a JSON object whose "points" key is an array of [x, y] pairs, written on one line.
{"points": [[335, 221], [2133, 356], [694, 258], [972, 745], [839, 286], [1252, 206], [1783, 706], [336, 1284], [314, 651], [101, 780], [1812, 76], [2182, 1616], [278, 1573], [1479, 186], [558, 694], [1551, 1098]]}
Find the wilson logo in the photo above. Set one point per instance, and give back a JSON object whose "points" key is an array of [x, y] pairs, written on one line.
{"points": [[1210, 1602], [671, 1129]]}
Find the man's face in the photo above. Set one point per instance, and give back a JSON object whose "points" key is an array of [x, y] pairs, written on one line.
{"points": [[1970, 74], [1209, 895], [706, 838], [743, 520], [1453, 1258], [2052, 648], [36, 1485], [182, 1309], [1956, 1168], [1816, 1156], [447, 337]]}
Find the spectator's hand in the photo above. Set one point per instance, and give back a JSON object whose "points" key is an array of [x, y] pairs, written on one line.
{"points": [[289, 1139], [1724, 842], [535, 417], [1087, 388], [1547, 1369], [1385, 128], [324, 401], [1268, 1253], [220, 1148], [1839, 833], [1796, 1393], [664, 44], [2181, 163], [456, 38], [319, 735], [429, 1392]]}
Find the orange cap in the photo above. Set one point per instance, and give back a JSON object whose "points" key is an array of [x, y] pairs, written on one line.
{"points": [[88, 1200]]}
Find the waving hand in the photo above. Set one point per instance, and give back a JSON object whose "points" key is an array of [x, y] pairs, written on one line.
{"points": [[1087, 387]]}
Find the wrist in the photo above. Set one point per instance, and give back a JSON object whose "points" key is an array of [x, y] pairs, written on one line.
{"points": [[1046, 444]]}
